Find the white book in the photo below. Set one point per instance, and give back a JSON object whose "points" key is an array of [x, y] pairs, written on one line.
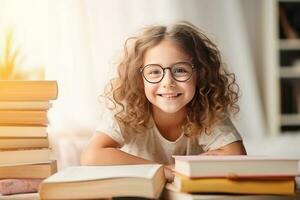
{"points": [[235, 166], [94, 182]]}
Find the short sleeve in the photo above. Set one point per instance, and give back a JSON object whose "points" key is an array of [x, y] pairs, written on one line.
{"points": [[224, 133], [108, 125]]}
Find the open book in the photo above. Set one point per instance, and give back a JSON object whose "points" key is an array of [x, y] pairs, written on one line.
{"points": [[93, 182]]}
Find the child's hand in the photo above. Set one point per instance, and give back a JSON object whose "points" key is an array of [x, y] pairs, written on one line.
{"points": [[169, 172]]}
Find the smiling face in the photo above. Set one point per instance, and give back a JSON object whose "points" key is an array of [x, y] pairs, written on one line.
{"points": [[169, 95]]}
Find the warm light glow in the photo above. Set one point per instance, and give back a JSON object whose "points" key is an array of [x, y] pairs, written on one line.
{"points": [[10, 62]]}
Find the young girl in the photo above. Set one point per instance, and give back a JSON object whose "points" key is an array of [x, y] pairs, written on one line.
{"points": [[172, 96]]}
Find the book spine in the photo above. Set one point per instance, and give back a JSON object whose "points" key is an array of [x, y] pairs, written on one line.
{"points": [[16, 186]]}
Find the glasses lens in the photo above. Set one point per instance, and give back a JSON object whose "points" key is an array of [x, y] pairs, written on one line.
{"points": [[182, 71], [153, 73]]}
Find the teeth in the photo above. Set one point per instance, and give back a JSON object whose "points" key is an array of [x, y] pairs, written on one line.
{"points": [[169, 95]]}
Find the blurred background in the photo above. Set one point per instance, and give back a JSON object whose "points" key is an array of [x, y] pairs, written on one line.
{"points": [[77, 43]]}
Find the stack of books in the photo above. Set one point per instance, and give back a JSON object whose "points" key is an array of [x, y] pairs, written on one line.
{"points": [[24, 144], [255, 175]]}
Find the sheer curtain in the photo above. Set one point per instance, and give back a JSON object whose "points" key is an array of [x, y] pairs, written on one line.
{"points": [[78, 42]]}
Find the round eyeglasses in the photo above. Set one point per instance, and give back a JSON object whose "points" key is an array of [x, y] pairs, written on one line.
{"points": [[181, 72]]}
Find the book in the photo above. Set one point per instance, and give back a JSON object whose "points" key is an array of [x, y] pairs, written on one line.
{"points": [[25, 105], [42, 90], [24, 156], [16, 186], [284, 186], [23, 131], [171, 193], [145, 181], [23, 117], [20, 143], [24, 196], [235, 166], [41, 170]]}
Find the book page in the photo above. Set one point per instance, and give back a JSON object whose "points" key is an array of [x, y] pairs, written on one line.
{"points": [[85, 173]]}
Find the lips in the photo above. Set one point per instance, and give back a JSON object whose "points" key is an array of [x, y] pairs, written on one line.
{"points": [[170, 95]]}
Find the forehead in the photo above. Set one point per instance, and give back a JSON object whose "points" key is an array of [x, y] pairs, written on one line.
{"points": [[166, 52]]}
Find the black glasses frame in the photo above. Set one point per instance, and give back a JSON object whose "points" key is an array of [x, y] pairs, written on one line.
{"points": [[169, 68]]}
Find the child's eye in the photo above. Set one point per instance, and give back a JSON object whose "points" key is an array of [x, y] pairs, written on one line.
{"points": [[180, 71], [154, 72]]}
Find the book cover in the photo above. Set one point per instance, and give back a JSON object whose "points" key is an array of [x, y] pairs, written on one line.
{"points": [[42, 90], [24, 156], [24, 196], [22, 143], [23, 131], [23, 117], [170, 193], [41, 170], [284, 186], [104, 182], [18, 186], [25, 105], [235, 166]]}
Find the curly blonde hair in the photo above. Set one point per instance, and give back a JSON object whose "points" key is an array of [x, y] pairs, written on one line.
{"points": [[216, 89]]}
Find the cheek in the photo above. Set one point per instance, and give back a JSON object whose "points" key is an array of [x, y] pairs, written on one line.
{"points": [[191, 89], [149, 88]]}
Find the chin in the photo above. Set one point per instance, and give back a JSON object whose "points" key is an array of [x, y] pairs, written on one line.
{"points": [[170, 110]]}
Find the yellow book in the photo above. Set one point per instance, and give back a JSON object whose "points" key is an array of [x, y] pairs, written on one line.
{"points": [[25, 105], [170, 193], [40, 170], [23, 131], [41, 90], [23, 117], [23, 143], [24, 156], [284, 186]]}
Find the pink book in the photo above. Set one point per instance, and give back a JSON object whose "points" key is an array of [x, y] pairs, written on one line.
{"points": [[235, 166], [16, 186]]}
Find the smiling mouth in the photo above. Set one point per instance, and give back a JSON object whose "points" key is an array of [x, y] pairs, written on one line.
{"points": [[173, 95]]}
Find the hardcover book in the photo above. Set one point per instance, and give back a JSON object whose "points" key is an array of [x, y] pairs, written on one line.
{"points": [[284, 186], [235, 166], [24, 156], [23, 131], [43, 90], [41, 170], [23, 117], [94, 182]]}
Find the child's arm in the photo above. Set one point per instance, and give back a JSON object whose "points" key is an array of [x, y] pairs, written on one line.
{"points": [[103, 150], [234, 148]]}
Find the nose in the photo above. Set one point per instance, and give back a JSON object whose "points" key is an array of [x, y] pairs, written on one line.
{"points": [[168, 80]]}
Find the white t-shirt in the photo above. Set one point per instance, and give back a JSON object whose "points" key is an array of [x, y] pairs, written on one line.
{"points": [[151, 145]]}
